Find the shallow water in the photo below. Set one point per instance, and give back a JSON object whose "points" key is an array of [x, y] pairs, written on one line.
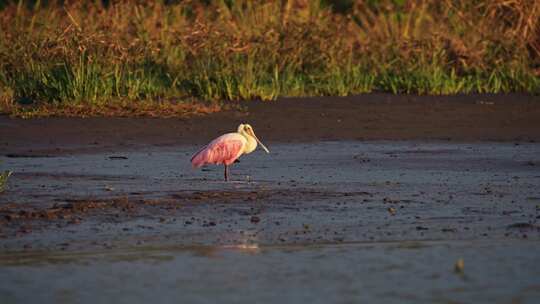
{"points": [[158, 171], [306, 223], [405, 272]]}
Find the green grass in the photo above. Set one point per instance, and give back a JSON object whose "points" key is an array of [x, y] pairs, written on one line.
{"points": [[93, 55], [3, 180]]}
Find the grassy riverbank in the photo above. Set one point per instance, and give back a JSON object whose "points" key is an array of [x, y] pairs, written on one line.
{"points": [[85, 59]]}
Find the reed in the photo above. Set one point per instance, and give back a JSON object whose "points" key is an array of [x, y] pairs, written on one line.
{"points": [[133, 53]]}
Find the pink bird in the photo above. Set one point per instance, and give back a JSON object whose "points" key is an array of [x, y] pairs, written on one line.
{"points": [[227, 148]]}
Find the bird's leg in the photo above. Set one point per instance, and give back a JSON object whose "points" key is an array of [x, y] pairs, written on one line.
{"points": [[226, 173]]}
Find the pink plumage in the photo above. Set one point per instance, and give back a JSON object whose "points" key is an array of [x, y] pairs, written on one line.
{"points": [[227, 148], [222, 150]]}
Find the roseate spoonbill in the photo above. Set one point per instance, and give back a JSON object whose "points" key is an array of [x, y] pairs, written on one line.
{"points": [[227, 148]]}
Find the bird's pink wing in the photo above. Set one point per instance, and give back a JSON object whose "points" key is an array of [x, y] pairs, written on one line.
{"points": [[222, 150]]}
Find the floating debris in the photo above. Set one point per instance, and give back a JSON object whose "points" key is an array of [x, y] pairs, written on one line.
{"points": [[522, 226], [3, 180], [449, 230], [459, 266]]}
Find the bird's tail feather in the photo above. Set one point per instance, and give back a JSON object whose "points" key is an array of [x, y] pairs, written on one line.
{"points": [[197, 160]]}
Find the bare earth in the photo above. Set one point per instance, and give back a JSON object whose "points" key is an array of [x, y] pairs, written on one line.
{"points": [[367, 117], [369, 198]]}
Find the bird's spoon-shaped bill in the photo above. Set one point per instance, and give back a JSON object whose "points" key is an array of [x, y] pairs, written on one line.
{"points": [[260, 143], [263, 146]]}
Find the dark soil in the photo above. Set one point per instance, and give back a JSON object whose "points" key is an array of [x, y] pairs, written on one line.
{"points": [[70, 171], [113, 204], [512, 117]]}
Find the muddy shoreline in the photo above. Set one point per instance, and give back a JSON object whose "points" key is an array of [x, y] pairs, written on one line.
{"points": [[362, 199], [460, 118], [310, 193]]}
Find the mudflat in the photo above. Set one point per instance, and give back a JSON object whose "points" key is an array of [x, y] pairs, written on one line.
{"points": [[510, 117], [372, 198]]}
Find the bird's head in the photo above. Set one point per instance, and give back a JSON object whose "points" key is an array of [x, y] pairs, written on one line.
{"points": [[246, 129]]}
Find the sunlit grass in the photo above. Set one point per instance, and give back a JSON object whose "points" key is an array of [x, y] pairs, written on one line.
{"points": [[4, 176], [126, 55]]}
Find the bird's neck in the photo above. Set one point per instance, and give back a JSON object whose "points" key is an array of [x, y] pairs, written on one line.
{"points": [[251, 144]]}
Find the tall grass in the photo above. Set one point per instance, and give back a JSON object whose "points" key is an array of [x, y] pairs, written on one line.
{"points": [[132, 51]]}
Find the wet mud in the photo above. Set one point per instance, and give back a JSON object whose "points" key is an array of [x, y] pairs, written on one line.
{"points": [[312, 193], [500, 117], [342, 218]]}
